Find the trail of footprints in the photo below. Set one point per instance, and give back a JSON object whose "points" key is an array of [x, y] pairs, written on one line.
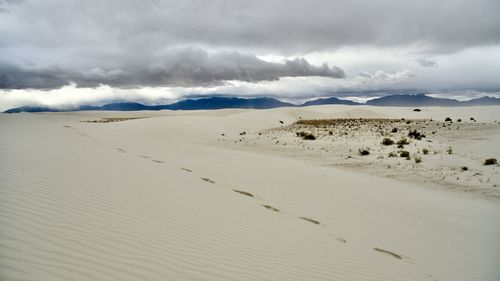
{"points": [[269, 207], [272, 208]]}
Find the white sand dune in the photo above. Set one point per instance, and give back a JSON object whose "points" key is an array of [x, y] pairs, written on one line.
{"points": [[154, 199]]}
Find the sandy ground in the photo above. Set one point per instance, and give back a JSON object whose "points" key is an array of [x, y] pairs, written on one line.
{"points": [[168, 197]]}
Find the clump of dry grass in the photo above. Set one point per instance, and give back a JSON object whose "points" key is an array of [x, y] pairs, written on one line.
{"points": [[405, 154], [306, 136], [364, 151], [490, 161], [402, 142], [387, 141]]}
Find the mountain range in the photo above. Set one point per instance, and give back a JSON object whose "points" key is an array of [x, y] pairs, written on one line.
{"points": [[265, 103]]}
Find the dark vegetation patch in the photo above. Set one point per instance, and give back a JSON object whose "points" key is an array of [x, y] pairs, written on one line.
{"points": [[387, 141], [306, 136], [490, 161]]}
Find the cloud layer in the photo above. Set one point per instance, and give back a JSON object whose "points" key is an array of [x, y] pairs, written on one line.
{"points": [[174, 67], [128, 43]]}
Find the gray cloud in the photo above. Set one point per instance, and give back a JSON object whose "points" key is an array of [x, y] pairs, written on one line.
{"points": [[176, 67], [129, 43], [427, 62]]}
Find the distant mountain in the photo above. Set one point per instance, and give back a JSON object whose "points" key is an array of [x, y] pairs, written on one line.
{"points": [[264, 103], [189, 104], [412, 100], [482, 101], [225, 102], [330, 100]]}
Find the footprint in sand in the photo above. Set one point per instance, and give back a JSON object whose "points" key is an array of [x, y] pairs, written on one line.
{"points": [[388, 253], [157, 161], [243, 192], [310, 220], [145, 156], [121, 150], [187, 170], [207, 180], [270, 208]]}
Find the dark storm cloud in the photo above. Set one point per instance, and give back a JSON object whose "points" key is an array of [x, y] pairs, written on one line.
{"points": [[179, 67], [128, 43]]}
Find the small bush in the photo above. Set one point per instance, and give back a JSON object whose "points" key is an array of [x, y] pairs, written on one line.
{"points": [[306, 136], [394, 130], [418, 159], [243, 133], [417, 110], [387, 141], [464, 168], [459, 120], [402, 142], [404, 153], [449, 150], [416, 135], [392, 154], [448, 119], [364, 151], [490, 161], [425, 151]]}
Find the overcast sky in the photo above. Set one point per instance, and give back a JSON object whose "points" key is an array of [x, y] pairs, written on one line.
{"points": [[68, 52]]}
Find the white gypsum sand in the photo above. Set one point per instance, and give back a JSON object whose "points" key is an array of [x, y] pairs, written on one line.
{"points": [[168, 197]]}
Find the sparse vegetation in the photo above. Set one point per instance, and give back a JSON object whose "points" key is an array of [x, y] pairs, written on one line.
{"points": [[416, 135], [490, 161], [405, 154], [417, 159], [417, 110], [449, 150], [306, 136], [387, 141], [364, 151], [243, 133], [393, 154], [464, 168], [425, 151], [394, 130], [111, 119], [402, 142], [448, 119]]}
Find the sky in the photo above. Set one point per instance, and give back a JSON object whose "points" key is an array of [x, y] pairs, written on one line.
{"points": [[65, 53]]}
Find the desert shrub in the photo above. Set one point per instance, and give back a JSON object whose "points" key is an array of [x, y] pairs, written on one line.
{"points": [[449, 150], [387, 141], [402, 142], [459, 120], [425, 151], [392, 154], [364, 151], [306, 136], [417, 110], [404, 153], [448, 119], [464, 168], [416, 135], [394, 130], [418, 159], [490, 161], [243, 133]]}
